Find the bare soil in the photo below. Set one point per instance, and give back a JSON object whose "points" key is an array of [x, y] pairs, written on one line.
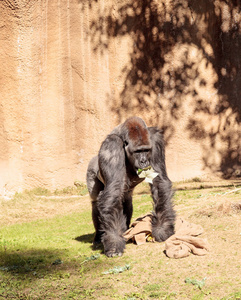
{"points": [[216, 206]]}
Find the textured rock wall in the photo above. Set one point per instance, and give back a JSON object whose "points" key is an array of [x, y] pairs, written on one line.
{"points": [[71, 70]]}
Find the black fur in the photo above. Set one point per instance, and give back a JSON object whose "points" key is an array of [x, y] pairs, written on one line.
{"points": [[111, 178]]}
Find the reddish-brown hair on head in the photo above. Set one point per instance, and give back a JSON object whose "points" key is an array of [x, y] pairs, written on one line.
{"points": [[137, 131]]}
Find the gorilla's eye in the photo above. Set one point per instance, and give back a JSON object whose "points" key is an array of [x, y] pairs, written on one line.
{"points": [[142, 151]]}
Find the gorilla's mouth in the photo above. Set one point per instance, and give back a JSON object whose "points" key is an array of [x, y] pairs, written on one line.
{"points": [[143, 169]]}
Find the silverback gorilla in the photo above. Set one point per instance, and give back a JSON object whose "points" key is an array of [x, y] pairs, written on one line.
{"points": [[112, 176]]}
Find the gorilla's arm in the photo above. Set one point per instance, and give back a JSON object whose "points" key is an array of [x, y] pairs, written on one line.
{"points": [[164, 214], [110, 200]]}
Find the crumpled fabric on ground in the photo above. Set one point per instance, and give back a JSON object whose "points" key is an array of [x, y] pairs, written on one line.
{"points": [[140, 230], [185, 240], [180, 244]]}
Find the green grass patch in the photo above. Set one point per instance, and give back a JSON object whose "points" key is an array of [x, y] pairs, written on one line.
{"points": [[52, 257]]}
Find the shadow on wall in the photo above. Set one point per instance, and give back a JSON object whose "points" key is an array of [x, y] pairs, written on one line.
{"points": [[183, 54]]}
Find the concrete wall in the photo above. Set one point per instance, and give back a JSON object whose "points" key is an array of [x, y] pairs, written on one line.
{"points": [[72, 70]]}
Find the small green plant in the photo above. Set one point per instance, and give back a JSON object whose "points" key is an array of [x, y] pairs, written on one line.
{"points": [[117, 270], [152, 287], [197, 283], [92, 257]]}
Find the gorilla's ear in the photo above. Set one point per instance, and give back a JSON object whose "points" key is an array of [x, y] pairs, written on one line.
{"points": [[126, 146]]}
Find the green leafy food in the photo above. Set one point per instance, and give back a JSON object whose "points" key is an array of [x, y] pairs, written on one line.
{"points": [[148, 173]]}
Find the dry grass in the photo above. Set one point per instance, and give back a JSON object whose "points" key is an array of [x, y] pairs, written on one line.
{"points": [[28, 207], [37, 230]]}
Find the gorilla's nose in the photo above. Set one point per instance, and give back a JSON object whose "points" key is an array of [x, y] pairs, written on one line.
{"points": [[144, 164]]}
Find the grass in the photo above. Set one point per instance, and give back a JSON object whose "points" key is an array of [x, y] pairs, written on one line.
{"points": [[46, 252]]}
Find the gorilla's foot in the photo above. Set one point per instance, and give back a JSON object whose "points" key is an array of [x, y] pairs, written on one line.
{"points": [[113, 253], [113, 246], [162, 232]]}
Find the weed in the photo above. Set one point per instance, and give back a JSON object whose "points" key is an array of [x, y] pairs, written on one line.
{"points": [[92, 257], [152, 287], [117, 270], [197, 283]]}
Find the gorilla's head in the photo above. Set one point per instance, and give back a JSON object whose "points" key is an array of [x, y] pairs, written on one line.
{"points": [[137, 143]]}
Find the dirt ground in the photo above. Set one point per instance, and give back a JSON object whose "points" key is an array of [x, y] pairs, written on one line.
{"points": [[215, 206]]}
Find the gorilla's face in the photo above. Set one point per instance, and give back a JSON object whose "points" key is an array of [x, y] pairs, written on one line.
{"points": [[140, 157], [137, 143]]}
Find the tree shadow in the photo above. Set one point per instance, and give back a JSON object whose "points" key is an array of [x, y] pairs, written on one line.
{"points": [[183, 54], [31, 263]]}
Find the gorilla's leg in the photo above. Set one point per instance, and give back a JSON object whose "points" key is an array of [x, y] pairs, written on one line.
{"points": [[164, 214], [113, 221], [97, 224], [95, 186]]}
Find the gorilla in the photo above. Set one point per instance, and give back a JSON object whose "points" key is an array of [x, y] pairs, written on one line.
{"points": [[112, 176]]}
